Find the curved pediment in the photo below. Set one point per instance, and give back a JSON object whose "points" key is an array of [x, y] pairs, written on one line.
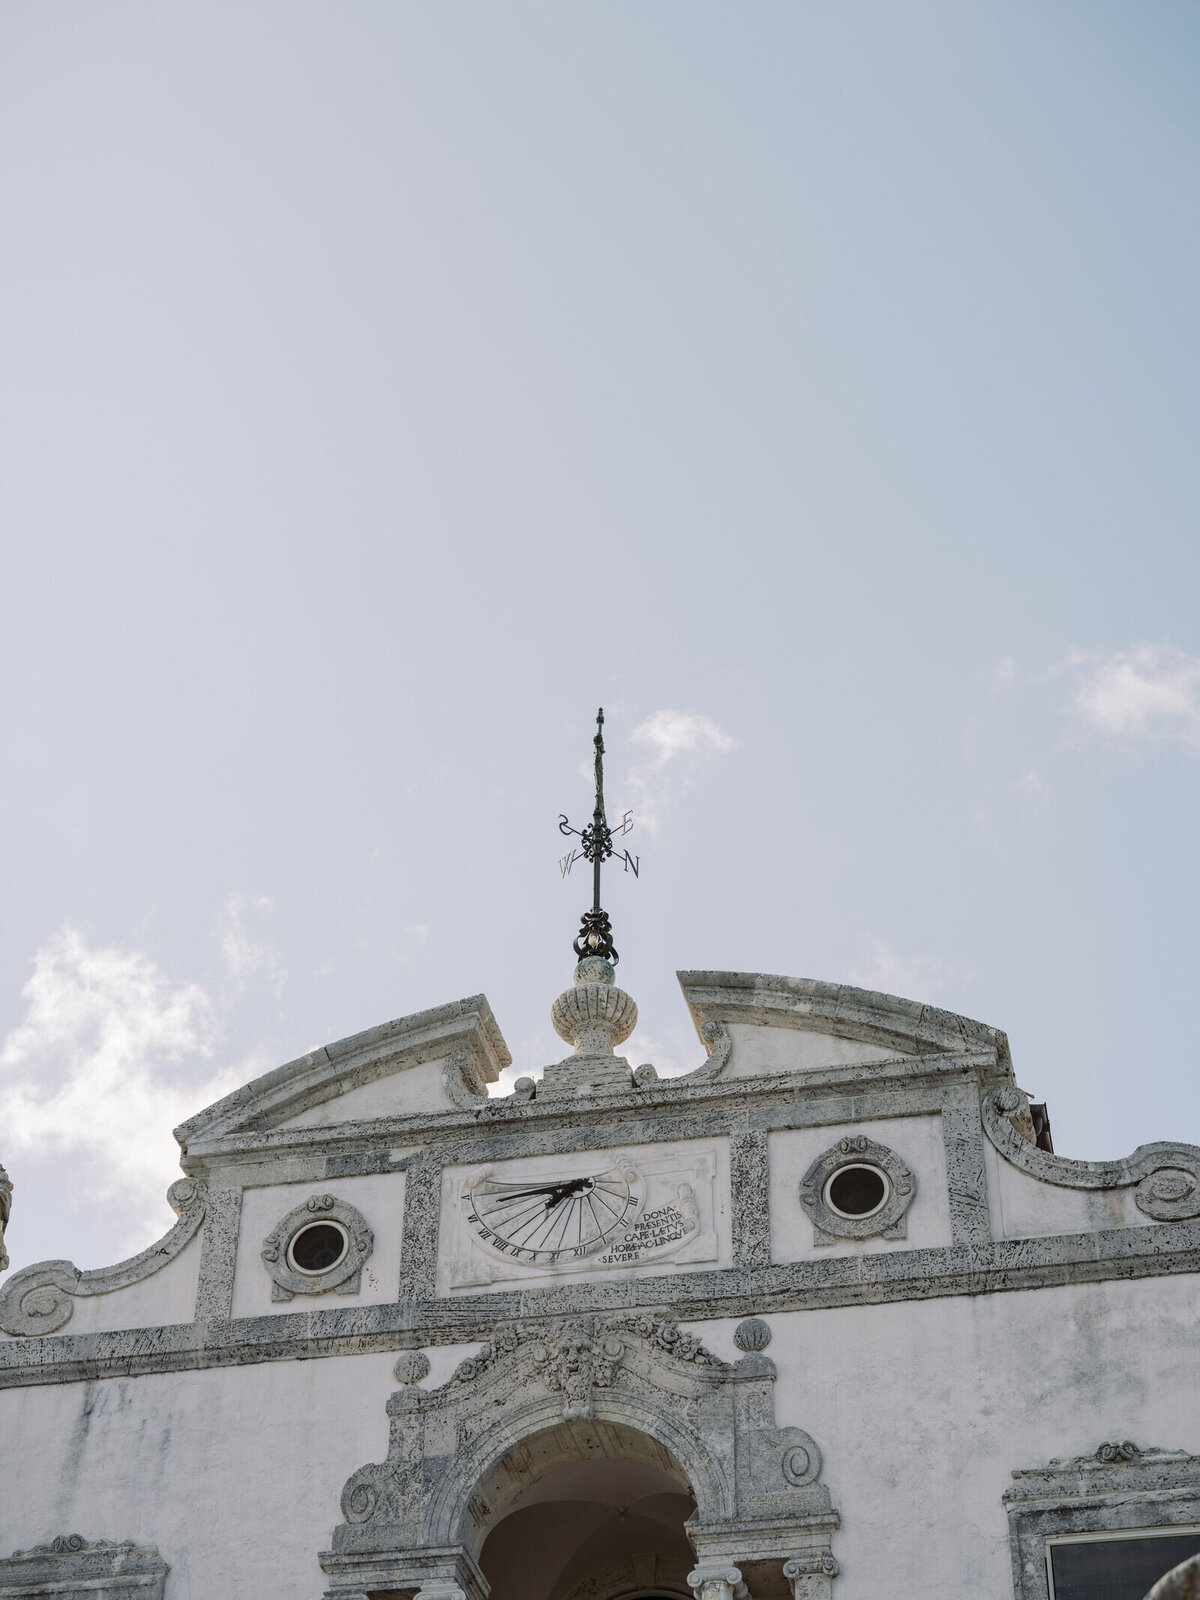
{"points": [[353, 1072], [841, 1025]]}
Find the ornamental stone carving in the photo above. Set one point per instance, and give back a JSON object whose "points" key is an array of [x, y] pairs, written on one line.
{"points": [[1181, 1583], [71, 1567], [895, 1187], [6, 1190], [41, 1298], [717, 1580], [1165, 1177], [336, 1258], [540, 1391]]}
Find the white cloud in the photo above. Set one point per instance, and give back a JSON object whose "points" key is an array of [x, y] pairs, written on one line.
{"points": [[103, 1066], [922, 977], [674, 741], [244, 956], [1032, 789], [1004, 674], [1151, 693]]}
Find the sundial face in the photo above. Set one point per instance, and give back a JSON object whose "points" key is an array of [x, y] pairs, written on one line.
{"points": [[576, 1213]]}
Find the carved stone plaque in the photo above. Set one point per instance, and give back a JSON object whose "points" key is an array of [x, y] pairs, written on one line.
{"points": [[585, 1212]]}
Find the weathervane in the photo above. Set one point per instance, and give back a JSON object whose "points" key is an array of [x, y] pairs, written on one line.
{"points": [[595, 931]]}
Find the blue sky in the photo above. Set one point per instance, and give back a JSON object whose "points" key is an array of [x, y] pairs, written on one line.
{"points": [[386, 386]]}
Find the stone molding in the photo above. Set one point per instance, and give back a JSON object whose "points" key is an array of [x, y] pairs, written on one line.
{"points": [[1114, 1254], [70, 1567], [886, 1020], [40, 1299], [1166, 1174], [889, 1222], [345, 1277], [1117, 1488], [350, 1063], [455, 1452]]}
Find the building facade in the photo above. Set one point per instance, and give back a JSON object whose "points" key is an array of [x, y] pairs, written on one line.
{"points": [[822, 1319]]}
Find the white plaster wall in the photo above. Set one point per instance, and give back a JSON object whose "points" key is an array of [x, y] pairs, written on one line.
{"points": [[1025, 1208], [234, 1473], [923, 1409], [412, 1089], [916, 1140], [759, 1049], [380, 1198]]}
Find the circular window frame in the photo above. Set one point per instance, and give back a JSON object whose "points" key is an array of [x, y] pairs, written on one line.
{"points": [[345, 1275], [889, 1220], [307, 1227], [875, 1170]]}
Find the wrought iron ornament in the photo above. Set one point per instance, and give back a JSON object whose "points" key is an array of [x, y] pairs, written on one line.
{"points": [[596, 846]]}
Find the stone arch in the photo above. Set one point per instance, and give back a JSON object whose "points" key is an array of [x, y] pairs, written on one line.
{"points": [[466, 1504], [626, 1385]]}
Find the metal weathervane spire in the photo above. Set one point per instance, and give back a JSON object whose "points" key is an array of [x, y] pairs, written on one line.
{"points": [[596, 846]]}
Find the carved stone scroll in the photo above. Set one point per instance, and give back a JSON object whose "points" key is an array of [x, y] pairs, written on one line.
{"points": [[71, 1567], [41, 1298], [1166, 1175]]}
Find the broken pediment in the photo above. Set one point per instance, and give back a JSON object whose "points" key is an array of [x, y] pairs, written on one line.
{"points": [[779, 1024], [436, 1060]]}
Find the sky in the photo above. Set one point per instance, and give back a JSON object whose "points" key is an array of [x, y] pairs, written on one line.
{"points": [[386, 386]]}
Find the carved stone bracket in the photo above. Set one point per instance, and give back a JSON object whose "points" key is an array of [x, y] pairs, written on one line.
{"points": [[629, 1383], [41, 1298], [71, 1567], [1166, 1175]]}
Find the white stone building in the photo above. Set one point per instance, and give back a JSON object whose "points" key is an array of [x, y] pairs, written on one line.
{"points": [[819, 1319]]}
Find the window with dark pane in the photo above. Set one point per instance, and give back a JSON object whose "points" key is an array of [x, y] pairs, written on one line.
{"points": [[1117, 1569]]}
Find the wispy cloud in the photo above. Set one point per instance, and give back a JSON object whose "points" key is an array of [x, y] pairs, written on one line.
{"points": [[1032, 789], [675, 742], [917, 977], [1148, 694], [110, 1056], [246, 957]]}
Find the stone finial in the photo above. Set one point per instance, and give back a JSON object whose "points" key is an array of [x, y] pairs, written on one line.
{"points": [[594, 1016], [753, 1334]]}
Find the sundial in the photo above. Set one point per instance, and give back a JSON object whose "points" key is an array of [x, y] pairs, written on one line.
{"points": [[596, 845]]}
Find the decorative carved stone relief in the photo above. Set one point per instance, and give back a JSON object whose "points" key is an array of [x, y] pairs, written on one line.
{"points": [[1117, 1488], [41, 1298], [289, 1276], [73, 1568], [898, 1190], [6, 1190], [457, 1454], [1181, 1583], [1166, 1175]]}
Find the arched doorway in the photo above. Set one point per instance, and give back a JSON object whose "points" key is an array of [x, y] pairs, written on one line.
{"points": [[586, 1511]]}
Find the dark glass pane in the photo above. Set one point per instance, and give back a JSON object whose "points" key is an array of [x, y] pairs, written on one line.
{"points": [[319, 1247], [857, 1191], [1117, 1569]]}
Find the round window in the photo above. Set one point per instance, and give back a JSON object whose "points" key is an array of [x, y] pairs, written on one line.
{"points": [[857, 1191], [318, 1247]]}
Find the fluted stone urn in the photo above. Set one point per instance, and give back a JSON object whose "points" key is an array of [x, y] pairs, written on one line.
{"points": [[594, 1016]]}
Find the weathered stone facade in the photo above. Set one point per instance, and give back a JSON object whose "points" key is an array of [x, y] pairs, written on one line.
{"points": [[581, 1280]]}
